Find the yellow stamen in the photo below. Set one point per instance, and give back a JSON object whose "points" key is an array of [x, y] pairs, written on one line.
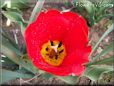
{"points": [[53, 52]]}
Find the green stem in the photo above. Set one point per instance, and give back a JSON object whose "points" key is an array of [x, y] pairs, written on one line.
{"points": [[36, 10]]}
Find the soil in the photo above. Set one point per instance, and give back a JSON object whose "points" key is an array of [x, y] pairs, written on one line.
{"points": [[94, 35]]}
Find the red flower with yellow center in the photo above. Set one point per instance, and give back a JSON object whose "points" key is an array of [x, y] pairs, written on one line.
{"points": [[57, 42]]}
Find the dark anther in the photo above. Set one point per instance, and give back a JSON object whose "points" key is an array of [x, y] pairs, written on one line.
{"points": [[61, 51], [50, 56], [56, 56], [51, 43], [47, 49], [60, 43], [47, 54]]}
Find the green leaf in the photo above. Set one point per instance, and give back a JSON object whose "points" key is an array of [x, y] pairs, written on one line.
{"points": [[104, 16], [20, 4], [10, 54], [16, 17], [7, 62], [69, 79], [14, 10], [104, 5], [7, 75], [89, 6], [83, 5], [7, 43], [48, 76], [75, 2], [23, 70], [108, 60], [13, 56], [22, 25], [27, 64], [13, 16], [16, 4], [7, 36], [2, 3], [110, 29], [36, 10], [94, 72], [105, 51]]}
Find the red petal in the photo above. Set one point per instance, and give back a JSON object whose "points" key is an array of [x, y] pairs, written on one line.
{"points": [[78, 32], [67, 27]]}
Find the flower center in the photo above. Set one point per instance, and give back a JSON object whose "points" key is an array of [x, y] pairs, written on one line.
{"points": [[53, 52]]}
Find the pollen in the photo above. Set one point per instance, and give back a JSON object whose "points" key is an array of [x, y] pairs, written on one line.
{"points": [[53, 52]]}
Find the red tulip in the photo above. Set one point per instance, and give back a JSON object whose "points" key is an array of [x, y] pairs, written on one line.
{"points": [[57, 42]]}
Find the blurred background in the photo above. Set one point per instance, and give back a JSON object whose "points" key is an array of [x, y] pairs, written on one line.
{"points": [[15, 66]]}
